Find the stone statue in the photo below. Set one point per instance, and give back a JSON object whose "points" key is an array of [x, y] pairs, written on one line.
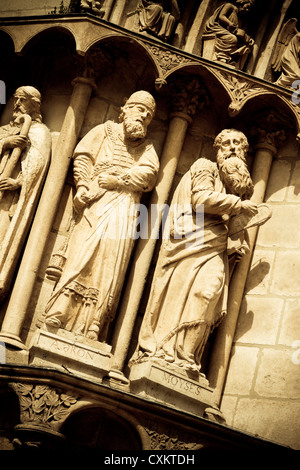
{"points": [[113, 165], [25, 146], [158, 18], [225, 26], [86, 6], [286, 57], [188, 295]]}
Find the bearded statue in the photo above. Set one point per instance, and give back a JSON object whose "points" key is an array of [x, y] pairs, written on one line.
{"points": [[114, 164], [188, 296]]}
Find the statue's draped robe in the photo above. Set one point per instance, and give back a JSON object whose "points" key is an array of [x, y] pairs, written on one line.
{"points": [[99, 249], [17, 206], [227, 46], [153, 18], [189, 288]]}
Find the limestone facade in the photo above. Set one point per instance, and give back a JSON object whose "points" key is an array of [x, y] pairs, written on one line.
{"points": [[85, 63], [268, 325]]}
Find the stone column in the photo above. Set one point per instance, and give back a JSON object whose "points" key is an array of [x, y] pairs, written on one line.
{"points": [[266, 148], [198, 24], [116, 12], [108, 6], [185, 104], [42, 223]]}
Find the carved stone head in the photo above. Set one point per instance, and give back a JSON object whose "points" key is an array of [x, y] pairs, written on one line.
{"points": [[142, 97], [27, 100], [232, 146], [136, 115], [244, 5], [230, 143]]}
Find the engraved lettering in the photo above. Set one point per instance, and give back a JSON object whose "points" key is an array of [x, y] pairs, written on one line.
{"points": [[71, 349], [181, 383]]}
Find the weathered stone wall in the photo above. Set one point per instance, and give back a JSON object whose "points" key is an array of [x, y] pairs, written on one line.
{"points": [[262, 391]]}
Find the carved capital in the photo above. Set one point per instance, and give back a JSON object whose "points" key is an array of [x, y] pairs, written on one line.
{"points": [[43, 406], [269, 133], [187, 96]]}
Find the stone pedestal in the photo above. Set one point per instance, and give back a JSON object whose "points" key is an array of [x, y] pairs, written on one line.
{"points": [[70, 352], [166, 384]]}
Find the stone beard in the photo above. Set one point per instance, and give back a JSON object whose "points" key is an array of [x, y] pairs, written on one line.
{"points": [[133, 128], [19, 110], [27, 101], [236, 177]]}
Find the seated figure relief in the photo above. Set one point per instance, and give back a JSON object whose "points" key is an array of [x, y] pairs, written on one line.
{"points": [[87, 6], [286, 57], [188, 296], [113, 165], [158, 17], [25, 146], [231, 43]]}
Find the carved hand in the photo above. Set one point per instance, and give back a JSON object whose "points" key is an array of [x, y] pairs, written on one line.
{"points": [[9, 184], [241, 34], [13, 141], [232, 28], [81, 198], [249, 207], [242, 251], [108, 181]]}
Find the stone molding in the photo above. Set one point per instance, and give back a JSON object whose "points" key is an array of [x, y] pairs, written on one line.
{"points": [[159, 427], [240, 86]]}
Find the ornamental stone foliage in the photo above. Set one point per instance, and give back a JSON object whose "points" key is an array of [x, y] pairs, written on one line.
{"points": [[40, 404]]}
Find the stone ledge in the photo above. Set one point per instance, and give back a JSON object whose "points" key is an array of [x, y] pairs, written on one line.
{"points": [[70, 352], [147, 413]]}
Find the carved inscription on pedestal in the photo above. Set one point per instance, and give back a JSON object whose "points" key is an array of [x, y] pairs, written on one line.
{"points": [[73, 353], [71, 350], [190, 393]]}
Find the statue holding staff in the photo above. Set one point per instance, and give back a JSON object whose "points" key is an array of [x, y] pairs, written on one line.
{"points": [[25, 147]]}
